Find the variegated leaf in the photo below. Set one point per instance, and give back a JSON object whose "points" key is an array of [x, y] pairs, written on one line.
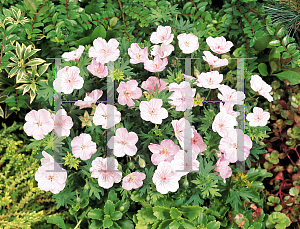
{"points": [[22, 51], [18, 50], [1, 112], [11, 65], [13, 72], [26, 51], [29, 54], [33, 86], [43, 69], [24, 79], [20, 75], [14, 57], [25, 87], [32, 96], [35, 61]]}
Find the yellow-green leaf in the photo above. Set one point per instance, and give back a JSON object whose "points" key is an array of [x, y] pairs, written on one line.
{"points": [[20, 75], [29, 54], [18, 50], [13, 72], [35, 61], [43, 69], [1, 112], [32, 96], [31, 5]]}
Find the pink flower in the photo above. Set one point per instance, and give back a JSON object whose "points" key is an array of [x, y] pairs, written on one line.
{"points": [[123, 143], [68, 80], [189, 77], [188, 43], [165, 178], [51, 181], [185, 162], [89, 99], [133, 180], [228, 145], [196, 144], [163, 35], [257, 84], [151, 82], [258, 117], [230, 95], [153, 111], [38, 123], [219, 44], [63, 123], [214, 61], [156, 65], [223, 168], [163, 152], [162, 50], [104, 51], [83, 146], [137, 54], [228, 108], [183, 96], [102, 113], [106, 170], [223, 122], [47, 158], [128, 91], [97, 69], [210, 80], [179, 127], [74, 55]]}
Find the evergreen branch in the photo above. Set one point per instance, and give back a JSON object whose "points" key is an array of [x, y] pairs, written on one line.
{"points": [[195, 5], [258, 14], [246, 19], [67, 9]]}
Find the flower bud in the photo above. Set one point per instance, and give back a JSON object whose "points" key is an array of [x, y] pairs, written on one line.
{"points": [[142, 162], [119, 167], [131, 165], [186, 183]]}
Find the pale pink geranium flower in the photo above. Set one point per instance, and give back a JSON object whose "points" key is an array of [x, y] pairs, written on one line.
{"points": [[223, 122], [183, 96], [38, 123], [106, 170], [123, 143], [185, 162], [188, 43], [128, 91], [97, 69], [137, 54], [165, 178], [257, 84], [104, 51], [133, 180], [162, 50], [102, 114], [228, 145], [219, 44], [68, 80], [231, 95], [179, 127], [209, 80], [156, 65], [214, 61], [51, 181], [162, 35], [153, 111], [89, 99], [151, 82], [74, 55], [63, 123], [47, 158], [196, 144], [223, 168], [83, 146], [163, 152], [258, 117], [228, 108]]}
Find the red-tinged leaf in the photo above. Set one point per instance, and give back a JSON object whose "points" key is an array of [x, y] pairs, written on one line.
{"points": [[279, 176]]}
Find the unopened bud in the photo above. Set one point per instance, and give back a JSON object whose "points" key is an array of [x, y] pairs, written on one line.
{"points": [[186, 183], [253, 206], [131, 165], [196, 72], [142, 162], [119, 167]]}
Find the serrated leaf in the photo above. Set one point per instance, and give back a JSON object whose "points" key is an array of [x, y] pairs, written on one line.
{"points": [[96, 224], [109, 207], [96, 214], [213, 225], [58, 221], [116, 215], [191, 212], [188, 224], [161, 212], [174, 213], [107, 223]]}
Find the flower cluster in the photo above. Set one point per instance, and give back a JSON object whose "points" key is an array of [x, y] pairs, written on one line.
{"points": [[172, 161]]}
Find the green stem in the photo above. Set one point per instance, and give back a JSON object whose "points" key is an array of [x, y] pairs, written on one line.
{"points": [[207, 94]]}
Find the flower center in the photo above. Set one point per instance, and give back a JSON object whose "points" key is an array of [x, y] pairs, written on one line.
{"points": [[221, 125], [164, 152], [163, 179], [187, 43], [98, 70], [132, 179], [105, 116], [258, 118], [51, 178], [70, 81], [152, 111], [123, 142], [210, 81], [127, 93], [104, 52], [83, 146], [163, 38], [156, 66], [234, 145], [138, 56]]}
